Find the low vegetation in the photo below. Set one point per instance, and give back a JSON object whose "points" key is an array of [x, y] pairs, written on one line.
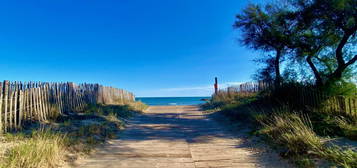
{"points": [[309, 66], [65, 138], [37, 149], [301, 133]]}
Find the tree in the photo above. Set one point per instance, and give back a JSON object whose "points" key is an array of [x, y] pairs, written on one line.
{"points": [[309, 43], [325, 26], [341, 17], [267, 30], [319, 33]]}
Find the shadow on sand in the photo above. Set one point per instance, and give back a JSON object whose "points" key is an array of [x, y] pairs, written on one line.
{"points": [[179, 132]]}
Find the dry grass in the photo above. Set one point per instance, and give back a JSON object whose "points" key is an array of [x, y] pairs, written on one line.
{"points": [[224, 98], [41, 149], [344, 158], [294, 131], [75, 134], [138, 106], [231, 97], [291, 130], [349, 128]]}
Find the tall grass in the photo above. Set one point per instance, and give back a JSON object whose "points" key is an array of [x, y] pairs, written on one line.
{"points": [[275, 115], [67, 134], [41, 149], [138, 106], [294, 131], [291, 130], [349, 128], [223, 98]]}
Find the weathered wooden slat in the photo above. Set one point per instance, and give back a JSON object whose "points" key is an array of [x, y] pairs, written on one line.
{"points": [[11, 112], [40, 105], [16, 92], [21, 103], [33, 101]]}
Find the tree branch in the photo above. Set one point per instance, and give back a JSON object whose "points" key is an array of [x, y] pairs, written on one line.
{"points": [[353, 60], [339, 54], [314, 70]]}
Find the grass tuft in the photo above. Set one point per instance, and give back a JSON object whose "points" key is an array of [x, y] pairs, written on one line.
{"points": [[77, 133], [295, 132], [41, 149], [292, 131]]}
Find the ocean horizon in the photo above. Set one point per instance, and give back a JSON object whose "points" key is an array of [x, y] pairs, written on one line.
{"points": [[172, 101]]}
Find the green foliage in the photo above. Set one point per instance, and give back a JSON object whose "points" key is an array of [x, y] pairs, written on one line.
{"points": [[304, 162], [265, 28], [15, 137], [349, 128], [344, 158], [317, 33], [223, 98], [343, 88]]}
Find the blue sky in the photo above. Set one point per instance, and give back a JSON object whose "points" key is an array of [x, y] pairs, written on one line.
{"points": [[152, 48]]}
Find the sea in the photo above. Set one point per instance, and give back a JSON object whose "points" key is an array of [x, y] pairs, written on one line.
{"points": [[172, 101]]}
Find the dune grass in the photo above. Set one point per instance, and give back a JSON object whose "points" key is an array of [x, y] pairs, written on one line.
{"points": [[294, 131], [40, 149], [299, 134], [50, 144]]}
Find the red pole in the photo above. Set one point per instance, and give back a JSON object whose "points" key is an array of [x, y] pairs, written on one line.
{"points": [[215, 85]]}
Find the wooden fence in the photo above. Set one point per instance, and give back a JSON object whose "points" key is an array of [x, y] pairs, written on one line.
{"points": [[39, 101], [310, 98], [299, 96], [249, 87]]}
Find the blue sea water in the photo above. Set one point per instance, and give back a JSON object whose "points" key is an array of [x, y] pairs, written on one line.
{"points": [[171, 101]]}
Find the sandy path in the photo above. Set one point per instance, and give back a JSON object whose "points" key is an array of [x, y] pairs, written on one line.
{"points": [[177, 137]]}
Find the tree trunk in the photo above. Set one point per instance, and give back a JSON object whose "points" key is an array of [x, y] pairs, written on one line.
{"points": [[314, 70], [337, 74], [341, 64], [277, 68]]}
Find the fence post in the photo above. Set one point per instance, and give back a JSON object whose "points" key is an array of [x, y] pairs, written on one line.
{"points": [[1, 100], [215, 85]]}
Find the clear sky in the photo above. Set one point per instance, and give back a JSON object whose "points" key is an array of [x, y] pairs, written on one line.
{"points": [[151, 47]]}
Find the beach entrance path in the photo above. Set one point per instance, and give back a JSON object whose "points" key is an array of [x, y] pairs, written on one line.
{"points": [[178, 137]]}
